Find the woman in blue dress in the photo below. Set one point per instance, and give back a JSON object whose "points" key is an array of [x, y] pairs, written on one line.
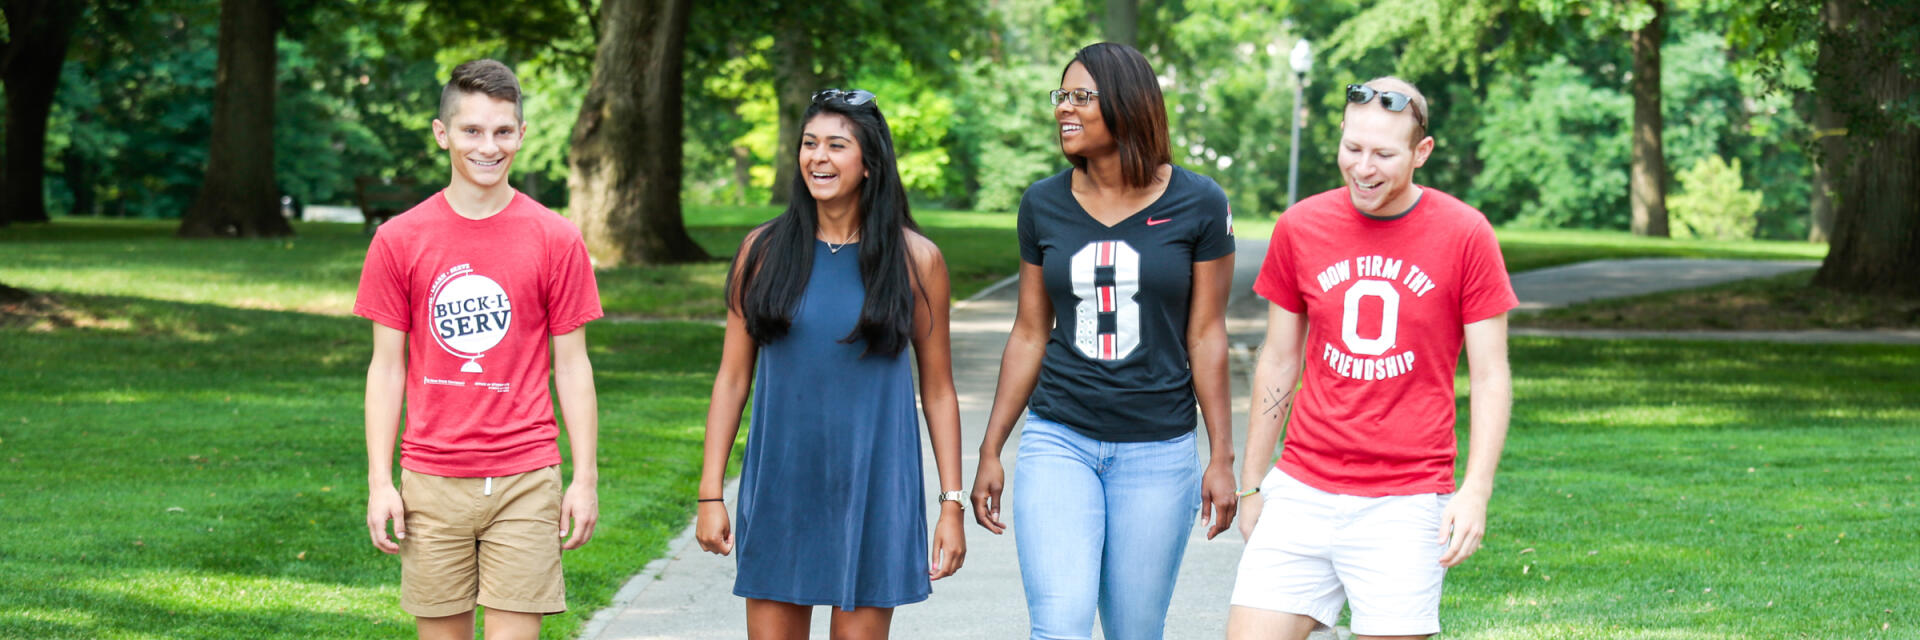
{"points": [[823, 302]]}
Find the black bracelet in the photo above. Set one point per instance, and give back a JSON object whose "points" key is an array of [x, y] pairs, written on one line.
{"points": [[711, 500]]}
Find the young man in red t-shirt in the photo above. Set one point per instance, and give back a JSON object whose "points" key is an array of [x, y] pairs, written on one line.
{"points": [[471, 294], [1374, 289]]}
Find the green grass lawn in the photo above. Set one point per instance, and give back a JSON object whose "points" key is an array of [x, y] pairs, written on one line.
{"points": [[1529, 249], [185, 460], [1658, 489], [184, 470]]}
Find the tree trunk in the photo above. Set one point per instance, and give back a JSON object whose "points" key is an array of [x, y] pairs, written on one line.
{"points": [[1875, 246], [30, 68], [1648, 177], [794, 82], [1829, 148], [742, 172], [238, 198], [1122, 23], [626, 157]]}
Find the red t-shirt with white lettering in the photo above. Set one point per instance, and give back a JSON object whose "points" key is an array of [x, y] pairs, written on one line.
{"points": [[1386, 303], [480, 301]]}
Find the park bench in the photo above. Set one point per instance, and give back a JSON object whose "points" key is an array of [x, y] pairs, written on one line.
{"points": [[380, 199]]}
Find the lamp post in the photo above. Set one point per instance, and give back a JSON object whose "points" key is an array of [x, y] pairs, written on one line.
{"points": [[1302, 61]]}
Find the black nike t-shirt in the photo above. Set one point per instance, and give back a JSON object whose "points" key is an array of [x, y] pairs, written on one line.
{"points": [[1116, 363]]}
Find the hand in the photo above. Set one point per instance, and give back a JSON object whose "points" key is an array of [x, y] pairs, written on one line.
{"points": [[1466, 520], [1250, 507], [988, 481], [949, 542], [582, 506], [384, 505], [712, 528], [1218, 500]]}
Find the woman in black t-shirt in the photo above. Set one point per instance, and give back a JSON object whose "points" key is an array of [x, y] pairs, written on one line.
{"points": [[1119, 337]]}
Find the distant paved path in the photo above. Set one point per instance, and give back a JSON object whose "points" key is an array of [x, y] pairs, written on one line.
{"points": [[687, 594], [1568, 284]]}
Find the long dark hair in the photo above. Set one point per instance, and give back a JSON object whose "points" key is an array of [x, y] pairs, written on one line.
{"points": [[1131, 105], [765, 286]]}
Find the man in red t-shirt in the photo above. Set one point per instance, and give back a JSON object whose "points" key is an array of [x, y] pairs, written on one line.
{"points": [[472, 293], [1374, 288]]}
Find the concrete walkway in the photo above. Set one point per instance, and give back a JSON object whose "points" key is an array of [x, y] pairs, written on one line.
{"points": [[687, 594]]}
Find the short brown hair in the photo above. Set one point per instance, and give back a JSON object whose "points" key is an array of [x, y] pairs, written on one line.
{"points": [[1131, 104], [484, 76]]}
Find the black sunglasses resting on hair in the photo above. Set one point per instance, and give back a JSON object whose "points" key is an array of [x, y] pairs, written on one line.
{"points": [[853, 97], [1393, 101]]}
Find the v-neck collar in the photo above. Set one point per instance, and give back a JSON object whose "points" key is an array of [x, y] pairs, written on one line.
{"points": [[1172, 174]]}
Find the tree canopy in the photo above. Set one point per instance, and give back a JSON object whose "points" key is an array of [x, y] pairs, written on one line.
{"points": [[1533, 101]]}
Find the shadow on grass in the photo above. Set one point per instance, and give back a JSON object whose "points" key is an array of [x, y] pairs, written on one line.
{"points": [[1666, 489], [55, 612], [185, 439]]}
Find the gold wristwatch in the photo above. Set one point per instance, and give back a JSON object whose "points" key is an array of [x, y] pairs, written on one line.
{"points": [[954, 496]]}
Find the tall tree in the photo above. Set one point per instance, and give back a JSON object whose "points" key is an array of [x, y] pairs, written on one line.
{"points": [[239, 197], [820, 45], [795, 78], [1122, 22], [626, 157], [1866, 72], [1866, 90], [1471, 34], [1647, 181], [30, 59]]}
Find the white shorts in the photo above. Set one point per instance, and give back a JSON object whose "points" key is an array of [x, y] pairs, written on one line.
{"points": [[1312, 551]]}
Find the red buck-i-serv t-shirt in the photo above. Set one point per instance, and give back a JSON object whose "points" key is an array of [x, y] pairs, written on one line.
{"points": [[1386, 302], [480, 301]]}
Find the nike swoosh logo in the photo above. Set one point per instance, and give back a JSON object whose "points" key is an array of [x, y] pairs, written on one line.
{"points": [[1151, 221]]}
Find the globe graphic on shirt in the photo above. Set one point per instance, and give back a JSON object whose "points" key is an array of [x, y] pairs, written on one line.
{"points": [[471, 314]]}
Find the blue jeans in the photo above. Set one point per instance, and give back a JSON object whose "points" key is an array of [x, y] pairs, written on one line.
{"points": [[1101, 523]]}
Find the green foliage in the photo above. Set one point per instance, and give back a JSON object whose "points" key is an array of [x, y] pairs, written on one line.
{"points": [[1004, 132], [1231, 99], [1535, 136], [130, 122], [1554, 150], [1713, 202]]}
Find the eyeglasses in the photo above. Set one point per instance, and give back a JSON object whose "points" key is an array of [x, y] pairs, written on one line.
{"points": [[853, 97], [1393, 100], [1079, 97]]}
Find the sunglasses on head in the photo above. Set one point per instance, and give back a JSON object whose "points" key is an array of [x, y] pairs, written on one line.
{"points": [[1393, 100], [852, 97]]}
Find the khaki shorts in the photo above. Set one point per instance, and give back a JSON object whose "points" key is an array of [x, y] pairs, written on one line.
{"points": [[487, 541]]}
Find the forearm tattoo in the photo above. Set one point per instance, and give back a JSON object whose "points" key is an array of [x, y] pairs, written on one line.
{"points": [[1275, 401]]}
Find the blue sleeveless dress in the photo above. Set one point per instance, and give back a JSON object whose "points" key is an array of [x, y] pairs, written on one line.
{"points": [[830, 508]]}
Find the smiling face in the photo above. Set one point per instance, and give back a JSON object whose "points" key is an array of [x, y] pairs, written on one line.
{"points": [[481, 138], [830, 159], [1083, 131], [1377, 158]]}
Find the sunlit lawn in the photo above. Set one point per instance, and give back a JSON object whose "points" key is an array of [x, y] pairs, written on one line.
{"points": [[183, 470], [1658, 489], [187, 462]]}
